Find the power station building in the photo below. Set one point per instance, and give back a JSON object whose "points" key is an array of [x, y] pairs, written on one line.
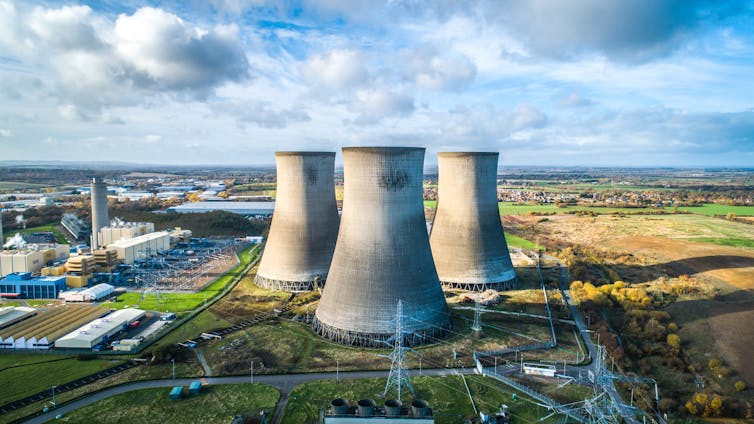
{"points": [[304, 225], [382, 255], [468, 244], [100, 216]]}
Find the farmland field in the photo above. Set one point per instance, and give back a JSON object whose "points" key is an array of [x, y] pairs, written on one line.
{"points": [[714, 209]]}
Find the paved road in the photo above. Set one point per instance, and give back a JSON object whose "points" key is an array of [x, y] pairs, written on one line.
{"points": [[283, 382], [624, 410]]}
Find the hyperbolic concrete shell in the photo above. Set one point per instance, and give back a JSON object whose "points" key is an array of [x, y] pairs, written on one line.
{"points": [[304, 224], [382, 254], [100, 217], [468, 244]]}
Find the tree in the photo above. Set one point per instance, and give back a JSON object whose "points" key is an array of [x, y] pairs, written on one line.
{"points": [[674, 341], [740, 385]]}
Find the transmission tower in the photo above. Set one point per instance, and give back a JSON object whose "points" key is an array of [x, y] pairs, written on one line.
{"points": [[477, 317], [398, 376]]}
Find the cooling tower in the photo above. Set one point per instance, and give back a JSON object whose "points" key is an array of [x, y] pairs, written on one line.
{"points": [[467, 238], [100, 216], [382, 254], [304, 225]]}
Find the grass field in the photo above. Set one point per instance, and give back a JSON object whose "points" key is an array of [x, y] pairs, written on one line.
{"points": [[184, 302], [711, 209], [516, 241], [18, 185], [40, 229], [214, 404], [446, 396], [40, 372]]}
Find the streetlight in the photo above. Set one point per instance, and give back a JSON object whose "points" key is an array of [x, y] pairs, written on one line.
{"points": [[53, 397], [173, 361]]}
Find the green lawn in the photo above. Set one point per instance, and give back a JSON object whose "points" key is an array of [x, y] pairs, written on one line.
{"points": [[184, 302], [516, 241], [446, 396], [33, 373], [711, 209], [40, 229], [214, 404]]}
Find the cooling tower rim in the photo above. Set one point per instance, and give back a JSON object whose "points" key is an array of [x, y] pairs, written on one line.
{"points": [[303, 153], [383, 149], [465, 154]]}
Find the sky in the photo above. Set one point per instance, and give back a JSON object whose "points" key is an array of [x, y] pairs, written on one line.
{"points": [[628, 83]]}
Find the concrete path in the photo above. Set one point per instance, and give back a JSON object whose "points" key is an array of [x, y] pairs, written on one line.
{"points": [[283, 382]]}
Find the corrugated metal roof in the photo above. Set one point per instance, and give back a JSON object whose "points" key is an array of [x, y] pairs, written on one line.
{"points": [[101, 326]]}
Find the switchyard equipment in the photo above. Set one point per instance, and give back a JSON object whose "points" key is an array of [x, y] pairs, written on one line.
{"points": [[467, 239], [382, 254], [100, 217], [304, 225]]}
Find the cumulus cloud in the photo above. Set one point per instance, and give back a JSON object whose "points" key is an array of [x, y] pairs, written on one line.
{"points": [[262, 114], [152, 138], [433, 71], [373, 105], [67, 28], [336, 69], [168, 53], [70, 112], [572, 100], [5, 133], [526, 117]]}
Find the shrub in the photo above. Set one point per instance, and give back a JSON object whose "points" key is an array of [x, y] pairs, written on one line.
{"points": [[740, 386], [674, 341]]}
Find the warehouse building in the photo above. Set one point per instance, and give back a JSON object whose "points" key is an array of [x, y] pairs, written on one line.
{"points": [[41, 331], [11, 315], [100, 330], [241, 208], [91, 294], [141, 247], [23, 285]]}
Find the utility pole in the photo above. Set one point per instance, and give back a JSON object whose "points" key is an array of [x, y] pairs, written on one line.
{"points": [[337, 370], [173, 361], [251, 372], [495, 364], [53, 397]]}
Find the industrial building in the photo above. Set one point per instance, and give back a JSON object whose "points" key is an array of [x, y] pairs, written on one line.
{"points": [[91, 294], [382, 255], [76, 227], [10, 315], [365, 411], [468, 244], [241, 208], [123, 231], [31, 259], [305, 223], [141, 247], [41, 331], [100, 216], [100, 330], [22, 285]]}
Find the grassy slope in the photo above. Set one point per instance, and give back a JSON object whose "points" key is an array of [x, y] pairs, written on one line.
{"points": [[46, 371], [446, 395], [214, 404]]}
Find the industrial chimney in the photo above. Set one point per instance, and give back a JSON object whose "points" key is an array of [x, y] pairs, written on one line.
{"points": [[382, 254], [304, 225], [100, 217], [468, 244]]}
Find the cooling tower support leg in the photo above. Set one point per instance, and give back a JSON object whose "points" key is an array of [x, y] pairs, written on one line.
{"points": [[502, 285], [353, 338], [289, 286]]}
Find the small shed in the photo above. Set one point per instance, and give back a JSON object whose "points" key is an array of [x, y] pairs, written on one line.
{"points": [[176, 392], [194, 387]]}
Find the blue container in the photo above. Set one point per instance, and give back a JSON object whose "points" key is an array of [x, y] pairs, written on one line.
{"points": [[176, 392]]}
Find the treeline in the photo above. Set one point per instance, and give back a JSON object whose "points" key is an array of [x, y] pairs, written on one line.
{"points": [[215, 223], [32, 217]]}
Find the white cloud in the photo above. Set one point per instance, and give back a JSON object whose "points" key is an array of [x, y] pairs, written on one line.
{"points": [[67, 28], [70, 112], [336, 69], [373, 105], [5, 133], [431, 71], [152, 138]]}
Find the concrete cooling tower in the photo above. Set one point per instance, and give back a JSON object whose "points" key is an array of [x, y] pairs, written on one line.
{"points": [[468, 244], [100, 217], [304, 225], [382, 254]]}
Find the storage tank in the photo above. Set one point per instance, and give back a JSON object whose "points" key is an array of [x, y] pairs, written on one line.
{"points": [[304, 224], [382, 254], [468, 244], [100, 217]]}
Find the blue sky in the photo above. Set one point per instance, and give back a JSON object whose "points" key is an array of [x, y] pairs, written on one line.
{"points": [[544, 82]]}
